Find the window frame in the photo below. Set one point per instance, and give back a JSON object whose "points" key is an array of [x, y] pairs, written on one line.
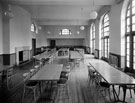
{"points": [[65, 32], [105, 26]]}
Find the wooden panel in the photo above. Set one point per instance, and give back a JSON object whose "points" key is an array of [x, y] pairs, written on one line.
{"points": [[96, 53], [114, 59]]}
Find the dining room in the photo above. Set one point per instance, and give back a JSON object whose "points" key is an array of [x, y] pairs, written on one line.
{"points": [[74, 51]]}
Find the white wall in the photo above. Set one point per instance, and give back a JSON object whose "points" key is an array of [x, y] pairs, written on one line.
{"points": [[20, 34], [41, 39], [69, 42], [1, 32], [115, 28], [55, 30]]}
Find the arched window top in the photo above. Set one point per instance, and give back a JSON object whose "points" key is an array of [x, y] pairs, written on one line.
{"points": [[65, 32], [105, 25], [34, 28]]}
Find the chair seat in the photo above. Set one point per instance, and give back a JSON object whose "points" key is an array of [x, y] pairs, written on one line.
{"points": [[62, 81], [64, 74], [31, 83], [104, 84]]}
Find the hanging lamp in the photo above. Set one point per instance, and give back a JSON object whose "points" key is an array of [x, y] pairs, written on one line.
{"points": [[93, 14]]}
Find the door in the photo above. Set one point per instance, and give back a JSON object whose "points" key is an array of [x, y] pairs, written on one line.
{"points": [[33, 46], [52, 43]]}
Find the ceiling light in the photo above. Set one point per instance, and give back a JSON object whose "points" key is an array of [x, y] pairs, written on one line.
{"points": [[82, 27], [93, 14]]}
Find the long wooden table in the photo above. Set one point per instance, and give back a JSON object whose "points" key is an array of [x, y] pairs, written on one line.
{"points": [[112, 76], [75, 55], [49, 72]]}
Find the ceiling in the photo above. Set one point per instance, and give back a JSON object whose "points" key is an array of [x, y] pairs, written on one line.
{"points": [[62, 12]]}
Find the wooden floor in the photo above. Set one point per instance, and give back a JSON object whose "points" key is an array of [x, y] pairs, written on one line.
{"points": [[79, 91]]}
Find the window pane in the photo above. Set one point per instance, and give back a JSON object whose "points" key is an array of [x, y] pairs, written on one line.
{"points": [[128, 51], [128, 39], [65, 32], [128, 21], [134, 66], [127, 58], [133, 3], [134, 38], [133, 10], [134, 52], [127, 45], [133, 19], [128, 12], [106, 24], [128, 29], [32, 27], [127, 64], [134, 59], [134, 46], [133, 27]]}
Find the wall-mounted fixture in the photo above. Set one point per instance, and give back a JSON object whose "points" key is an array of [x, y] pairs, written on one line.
{"points": [[78, 32], [8, 12], [48, 32], [82, 27]]}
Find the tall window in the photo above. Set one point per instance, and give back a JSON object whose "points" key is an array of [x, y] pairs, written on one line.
{"points": [[93, 38], [105, 36], [130, 35], [65, 32]]}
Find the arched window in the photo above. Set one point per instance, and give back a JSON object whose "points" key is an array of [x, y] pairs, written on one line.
{"points": [[130, 36], [92, 38], [105, 36], [65, 32], [34, 28]]}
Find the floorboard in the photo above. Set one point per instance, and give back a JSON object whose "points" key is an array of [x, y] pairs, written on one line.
{"points": [[79, 91]]}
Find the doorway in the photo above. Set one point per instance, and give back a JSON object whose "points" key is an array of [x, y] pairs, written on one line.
{"points": [[33, 46], [52, 43]]}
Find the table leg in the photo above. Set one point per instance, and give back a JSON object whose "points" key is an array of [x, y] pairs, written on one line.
{"points": [[116, 97]]}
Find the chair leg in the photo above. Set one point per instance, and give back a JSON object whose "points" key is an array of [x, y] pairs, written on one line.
{"points": [[23, 95], [130, 93], [34, 91], [119, 91]]}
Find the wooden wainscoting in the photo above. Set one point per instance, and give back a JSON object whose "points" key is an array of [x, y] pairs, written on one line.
{"points": [[115, 59], [96, 53]]}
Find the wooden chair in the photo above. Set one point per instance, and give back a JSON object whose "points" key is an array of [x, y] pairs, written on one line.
{"points": [[91, 75], [77, 62], [63, 88], [128, 87], [29, 85], [9, 75], [1, 81]]}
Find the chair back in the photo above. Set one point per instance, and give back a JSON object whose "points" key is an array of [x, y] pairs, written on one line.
{"points": [[1, 75], [26, 76], [9, 72]]}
